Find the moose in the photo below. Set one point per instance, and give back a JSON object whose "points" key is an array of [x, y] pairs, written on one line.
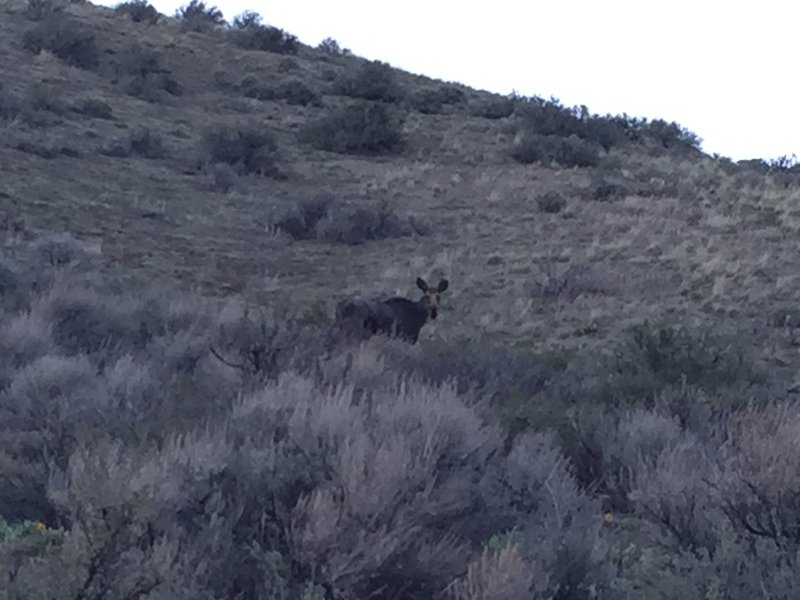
{"points": [[396, 317]]}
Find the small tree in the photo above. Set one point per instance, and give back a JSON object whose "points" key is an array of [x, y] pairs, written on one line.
{"points": [[139, 11], [196, 16], [331, 46]]}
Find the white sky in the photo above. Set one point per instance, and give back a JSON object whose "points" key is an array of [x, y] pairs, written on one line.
{"points": [[727, 70]]}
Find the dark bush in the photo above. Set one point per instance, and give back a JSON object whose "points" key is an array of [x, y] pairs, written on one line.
{"points": [[43, 97], [656, 356], [249, 148], [288, 65], [249, 33], [610, 186], [139, 11], [152, 88], [147, 143], [672, 136], [198, 17], [54, 396], [248, 18], [10, 105], [221, 177], [142, 74], [252, 87], [324, 218], [93, 107], [47, 148], [359, 128], [33, 265], [567, 152], [140, 142], [551, 118], [296, 92], [758, 165], [551, 202], [496, 108], [372, 81], [331, 46], [352, 226], [607, 131], [433, 100], [65, 38], [300, 220], [85, 322]]}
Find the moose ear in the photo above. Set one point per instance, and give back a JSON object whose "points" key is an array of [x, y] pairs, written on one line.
{"points": [[421, 284], [443, 285]]}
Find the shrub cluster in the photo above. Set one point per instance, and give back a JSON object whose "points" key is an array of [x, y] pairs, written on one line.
{"points": [[139, 11], [248, 32], [94, 107], [658, 355], [495, 108], [551, 118], [358, 128], [157, 446], [576, 135], [66, 38], [293, 91], [331, 46], [46, 147], [433, 100], [325, 218], [197, 16], [373, 80], [551, 202], [142, 73], [136, 459], [569, 151], [248, 147], [141, 142], [668, 135]]}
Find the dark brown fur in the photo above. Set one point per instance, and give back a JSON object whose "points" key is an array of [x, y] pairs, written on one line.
{"points": [[396, 317]]}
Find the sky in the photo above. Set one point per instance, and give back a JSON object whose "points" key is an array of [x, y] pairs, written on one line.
{"points": [[725, 70]]}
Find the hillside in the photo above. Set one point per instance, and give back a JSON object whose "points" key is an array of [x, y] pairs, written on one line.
{"points": [[696, 236], [187, 163]]}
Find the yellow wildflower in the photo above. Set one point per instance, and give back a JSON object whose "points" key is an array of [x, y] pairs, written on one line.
{"points": [[608, 517], [41, 527]]}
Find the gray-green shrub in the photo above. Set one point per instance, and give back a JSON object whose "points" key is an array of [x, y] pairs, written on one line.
{"points": [[373, 80], [66, 38], [358, 128], [197, 16], [249, 33], [249, 148], [139, 11]]}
